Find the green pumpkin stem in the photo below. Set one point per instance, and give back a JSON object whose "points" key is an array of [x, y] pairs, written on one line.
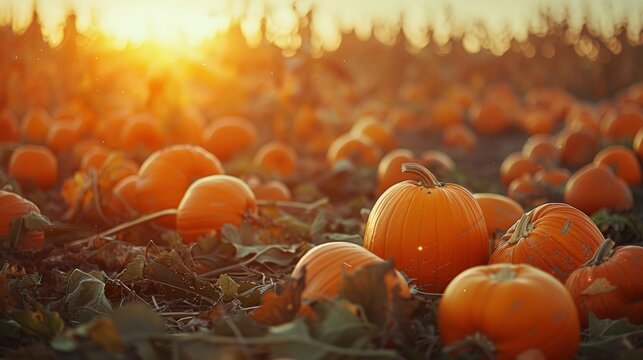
{"points": [[427, 179], [522, 228], [603, 253], [477, 341]]}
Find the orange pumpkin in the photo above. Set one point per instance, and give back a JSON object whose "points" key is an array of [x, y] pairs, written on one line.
{"points": [[516, 165], [273, 190], [605, 285], [421, 225], [500, 212], [227, 136], [537, 121], [13, 206], [488, 117], [637, 144], [541, 149], [276, 157], [460, 137], [63, 135], [35, 126], [94, 158], [526, 190], [622, 161], [211, 202], [577, 146], [556, 238], [445, 113], [402, 119], [357, 149], [325, 265], [378, 132], [34, 166], [438, 162], [553, 178], [622, 124], [141, 133], [388, 170], [583, 116], [186, 128], [167, 173], [8, 126], [595, 187], [505, 310], [121, 202], [108, 130]]}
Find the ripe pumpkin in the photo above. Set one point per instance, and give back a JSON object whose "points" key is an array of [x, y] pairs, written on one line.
{"points": [[276, 157], [141, 133], [553, 178], [421, 225], [120, 203], [595, 187], [378, 132], [445, 113], [507, 309], [438, 162], [622, 124], [8, 126], [605, 285], [211, 202], [556, 238], [167, 173], [273, 190], [358, 149], [35, 125], [388, 170], [500, 212], [326, 263], [13, 206], [63, 135], [34, 166], [537, 121], [186, 128], [229, 135], [622, 161], [577, 146], [488, 117], [94, 158], [526, 190], [541, 149], [460, 137], [516, 165], [583, 116], [402, 119]]}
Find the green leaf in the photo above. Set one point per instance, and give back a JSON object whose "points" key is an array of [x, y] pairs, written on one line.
{"points": [[608, 337], [278, 254], [228, 286], [85, 297], [341, 325], [134, 270]]}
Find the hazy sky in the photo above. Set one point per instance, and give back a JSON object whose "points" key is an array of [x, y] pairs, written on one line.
{"points": [[481, 24]]}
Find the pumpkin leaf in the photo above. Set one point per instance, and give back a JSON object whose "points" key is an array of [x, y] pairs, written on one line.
{"points": [[245, 244], [135, 319], [607, 337], [280, 309], [342, 324], [85, 297], [134, 270], [228, 286]]}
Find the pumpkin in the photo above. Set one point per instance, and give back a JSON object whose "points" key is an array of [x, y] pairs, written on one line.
{"points": [[537, 121], [13, 206], [34, 166], [402, 119], [63, 135], [272, 190], [583, 116], [622, 161], [622, 124], [141, 133], [307, 124], [438, 162], [503, 310], [186, 128], [94, 158], [378, 132], [423, 225], [167, 173], [108, 130], [325, 265], [445, 113], [516, 165], [500, 212], [388, 170], [637, 144], [226, 136], [556, 238], [526, 190], [605, 285], [595, 187], [577, 146], [541, 149], [8, 126], [120, 203], [210, 202], [35, 125], [277, 158], [552, 179], [357, 149], [460, 137], [488, 117]]}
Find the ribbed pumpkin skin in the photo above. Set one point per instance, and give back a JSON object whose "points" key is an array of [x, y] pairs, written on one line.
{"points": [[558, 239], [325, 264], [532, 310], [13, 206], [166, 174], [612, 289], [211, 202], [433, 234]]}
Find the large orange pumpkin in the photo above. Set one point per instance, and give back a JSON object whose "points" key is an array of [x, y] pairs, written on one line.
{"points": [[507, 309], [500, 212], [388, 170], [13, 206], [166, 174], [277, 158], [607, 284], [556, 238], [226, 136], [211, 202], [424, 226], [622, 161], [34, 166], [595, 187], [326, 263]]}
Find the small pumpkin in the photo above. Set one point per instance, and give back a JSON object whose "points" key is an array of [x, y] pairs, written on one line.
{"points": [[388, 170], [422, 225], [8, 126], [226, 136], [272, 190], [526, 190], [622, 123], [503, 310], [358, 149], [141, 133], [537, 121], [553, 178], [459, 137], [34, 166], [276, 157], [211, 202], [556, 238], [63, 135], [595, 187], [622, 161], [488, 117], [445, 113], [377, 131], [541, 149], [120, 203], [94, 158], [13, 206], [577, 146], [326, 263], [605, 285], [500, 212], [516, 165], [35, 125]]}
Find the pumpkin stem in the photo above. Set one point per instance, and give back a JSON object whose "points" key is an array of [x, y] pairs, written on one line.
{"points": [[603, 253], [504, 274], [523, 228], [477, 341], [427, 179]]}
